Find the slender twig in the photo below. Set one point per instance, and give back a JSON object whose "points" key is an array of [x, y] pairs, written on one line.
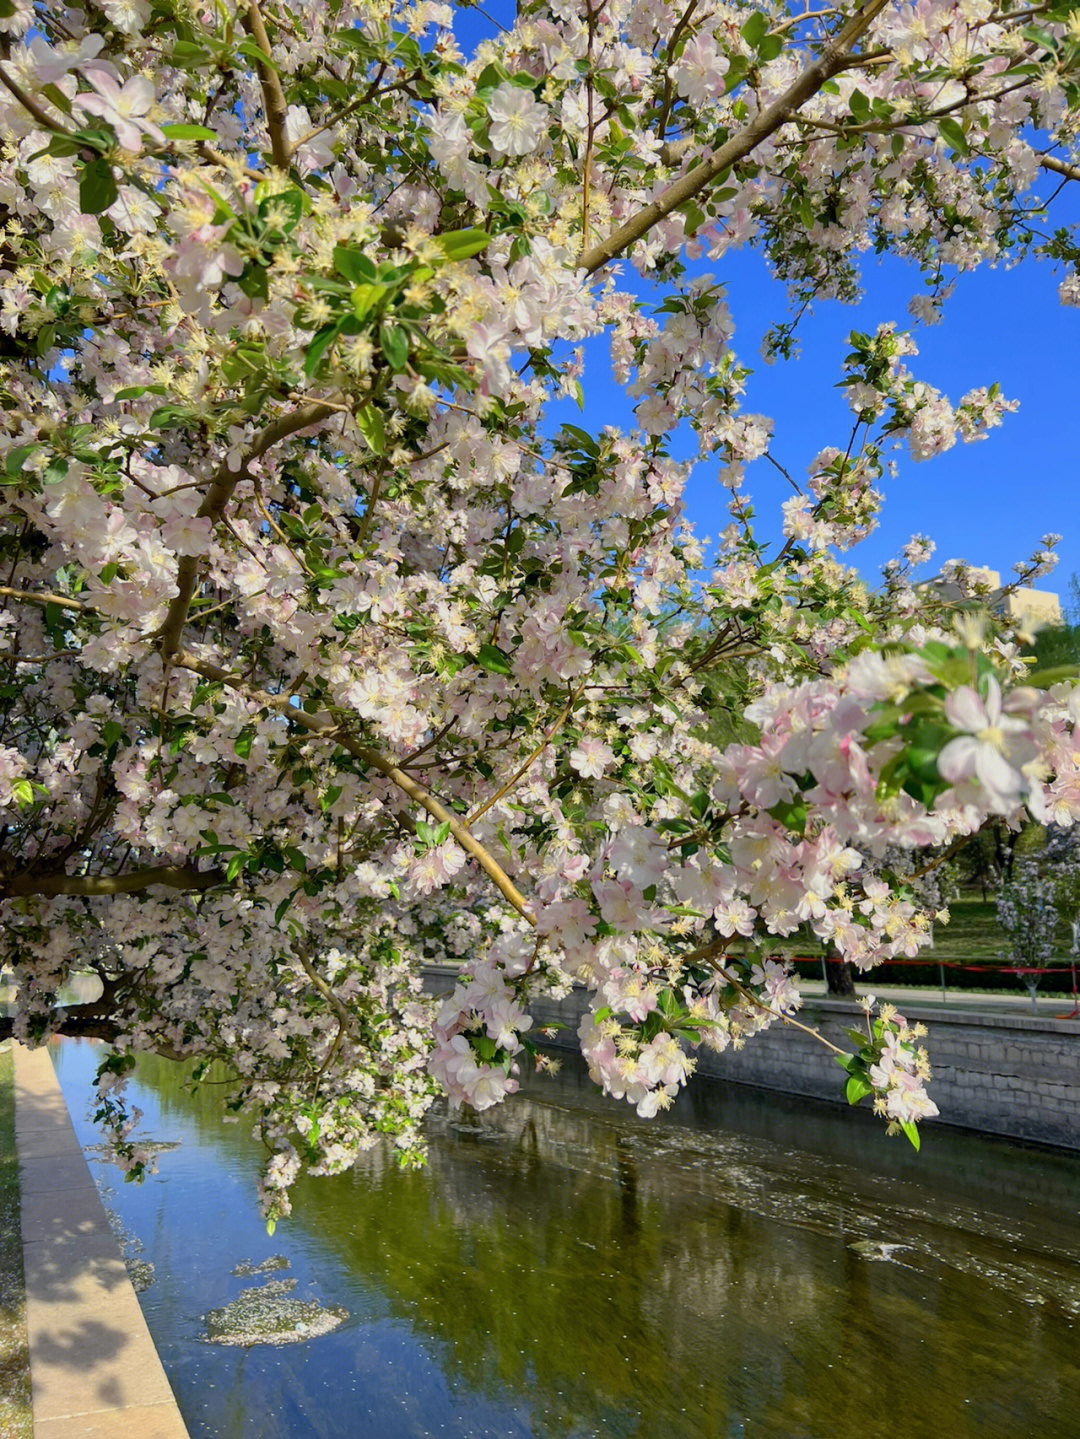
{"points": [[523, 769], [30, 597], [213, 507]]}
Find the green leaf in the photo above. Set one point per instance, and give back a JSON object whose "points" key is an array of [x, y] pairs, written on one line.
{"points": [[134, 392], [18, 457], [582, 439], [255, 282], [1059, 674], [57, 96], [271, 1225], [293, 202], [186, 55], [460, 244], [244, 741], [911, 1129], [693, 217], [492, 74], [283, 907], [365, 297], [770, 47], [490, 657], [847, 1061], [952, 132], [369, 421], [394, 343], [857, 1088], [167, 417], [791, 814], [236, 864], [318, 348], [353, 264], [22, 791], [755, 29], [177, 131], [97, 187], [252, 52]]}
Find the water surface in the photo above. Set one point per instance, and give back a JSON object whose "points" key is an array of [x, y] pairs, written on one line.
{"points": [[745, 1265]]}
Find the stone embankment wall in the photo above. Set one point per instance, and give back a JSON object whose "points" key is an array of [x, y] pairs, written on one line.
{"points": [[999, 1073]]}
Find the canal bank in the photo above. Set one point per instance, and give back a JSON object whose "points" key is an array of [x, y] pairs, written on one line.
{"points": [[1005, 1074], [94, 1369], [744, 1264]]}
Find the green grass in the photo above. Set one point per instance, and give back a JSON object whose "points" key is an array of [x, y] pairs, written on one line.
{"points": [[16, 1416]]}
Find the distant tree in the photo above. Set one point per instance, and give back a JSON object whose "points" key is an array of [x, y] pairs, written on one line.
{"points": [[1060, 644]]}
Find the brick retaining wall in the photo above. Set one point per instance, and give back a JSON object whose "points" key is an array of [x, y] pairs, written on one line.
{"points": [[1001, 1074]]}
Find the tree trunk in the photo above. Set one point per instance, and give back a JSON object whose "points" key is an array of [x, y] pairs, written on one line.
{"points": [[840, 979]]}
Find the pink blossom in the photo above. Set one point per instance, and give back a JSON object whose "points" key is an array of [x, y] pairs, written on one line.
{"points": [[124, 107]]}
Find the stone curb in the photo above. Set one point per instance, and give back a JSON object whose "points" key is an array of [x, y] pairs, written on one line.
{"points": [[93, 1366]]}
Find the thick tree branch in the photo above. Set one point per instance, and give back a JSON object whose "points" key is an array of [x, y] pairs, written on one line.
{"points": [[829, 63], [85, 1021], [273, 94], [1060, 167], [213, 507], [174, 876]]}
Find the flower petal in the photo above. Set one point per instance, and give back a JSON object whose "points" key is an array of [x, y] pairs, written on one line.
{"points": [[965, 710], [956, 761]]}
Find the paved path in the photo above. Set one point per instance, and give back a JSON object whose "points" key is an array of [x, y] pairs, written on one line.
{"points": [[963, 1001], [93, 1366]]}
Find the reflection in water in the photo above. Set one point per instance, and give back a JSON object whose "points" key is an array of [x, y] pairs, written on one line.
{"points": [[562, 1270]]}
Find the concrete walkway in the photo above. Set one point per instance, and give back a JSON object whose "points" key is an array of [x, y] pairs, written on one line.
{"points": [[93, 1366]]}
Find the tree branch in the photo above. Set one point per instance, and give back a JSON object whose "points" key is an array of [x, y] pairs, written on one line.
{"points": [[84, 1021], [330, 728], [273, 94], [1060, 167], [28, 597], [213, 507], [739, 146], [31, 106]]}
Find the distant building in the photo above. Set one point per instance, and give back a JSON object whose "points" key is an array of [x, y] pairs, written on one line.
{"points": [[1025, 607]]}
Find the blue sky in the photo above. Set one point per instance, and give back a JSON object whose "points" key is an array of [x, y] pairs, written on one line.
{"points": [[988, 502]]}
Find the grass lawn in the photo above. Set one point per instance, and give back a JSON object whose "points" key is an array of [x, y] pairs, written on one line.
{"points": [[16, 1418]]}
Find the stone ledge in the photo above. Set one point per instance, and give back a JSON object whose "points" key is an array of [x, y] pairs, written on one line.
{"points": [[94, 1369]]}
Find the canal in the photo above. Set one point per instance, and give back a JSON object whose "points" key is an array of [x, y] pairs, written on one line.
{"points": [[743, 1265]]}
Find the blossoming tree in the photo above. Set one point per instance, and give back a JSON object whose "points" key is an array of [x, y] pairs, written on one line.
{"points": [[326, 650]]}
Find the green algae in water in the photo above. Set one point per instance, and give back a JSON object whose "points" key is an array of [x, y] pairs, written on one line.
{"points": [[141, 1274], [265, 1315], [247, 1267], [140, 1271]]}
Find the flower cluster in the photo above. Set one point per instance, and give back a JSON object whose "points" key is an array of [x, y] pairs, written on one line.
{"points": [[329, 650]]}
